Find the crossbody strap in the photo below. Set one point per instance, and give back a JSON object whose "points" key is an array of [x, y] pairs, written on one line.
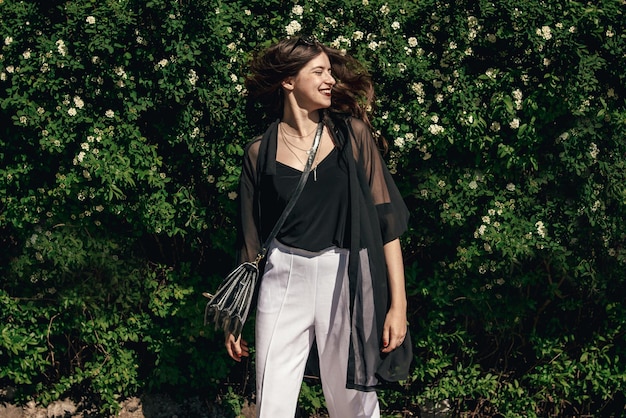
{"points": [[296, 193]]}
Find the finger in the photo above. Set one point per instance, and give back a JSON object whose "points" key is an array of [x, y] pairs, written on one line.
{"points": [[233, 348], [386, 338]]}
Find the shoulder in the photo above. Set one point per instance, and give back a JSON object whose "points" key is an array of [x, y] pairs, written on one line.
{"points": [[251, 150]]}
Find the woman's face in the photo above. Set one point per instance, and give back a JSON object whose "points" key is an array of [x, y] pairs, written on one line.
{"points": [[312, 86]]}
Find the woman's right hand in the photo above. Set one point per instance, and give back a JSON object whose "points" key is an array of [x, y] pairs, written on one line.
{"points": [[236, 348]]}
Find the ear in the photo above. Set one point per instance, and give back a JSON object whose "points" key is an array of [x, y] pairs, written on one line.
{"points": [[287, 83]]}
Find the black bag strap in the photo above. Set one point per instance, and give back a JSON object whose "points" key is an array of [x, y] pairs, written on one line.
{"points": [[296, 193]]}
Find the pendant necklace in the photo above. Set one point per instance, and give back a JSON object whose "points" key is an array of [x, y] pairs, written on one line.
{"points": [[289, 146]]}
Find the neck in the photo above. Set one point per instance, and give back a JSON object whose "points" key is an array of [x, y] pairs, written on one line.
{"points": [[300, 123]]}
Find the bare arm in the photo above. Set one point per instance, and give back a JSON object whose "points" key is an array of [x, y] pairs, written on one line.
{"points": [[395, 327]]}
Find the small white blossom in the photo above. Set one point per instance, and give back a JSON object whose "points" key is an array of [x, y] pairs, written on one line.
{"points": [[514, 123], [193, 77], [373, 45], [510, 187], [473, 185], [26, 54], [78, 102], [541, 229], [232, 195], [357, 35], [109, 113], [545, 32], [384, 9], [395, 25], [91, 20], [163, 63], [293, 27], [436, 129], [297, 10], [594, 150], [495, 126], [61, 48], [71, 111], [8, 40], [412, 42]]}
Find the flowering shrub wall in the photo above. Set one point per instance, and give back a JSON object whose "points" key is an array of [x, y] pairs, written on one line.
{"points": [[122, 125]]}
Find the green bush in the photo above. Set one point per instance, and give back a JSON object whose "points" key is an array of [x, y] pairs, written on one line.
{"points": [[121, 132]]}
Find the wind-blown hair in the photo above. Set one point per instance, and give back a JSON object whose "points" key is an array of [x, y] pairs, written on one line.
{"points": [[353, 93]]}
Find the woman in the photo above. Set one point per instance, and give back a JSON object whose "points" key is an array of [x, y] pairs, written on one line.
{"points": [[334, 275]]}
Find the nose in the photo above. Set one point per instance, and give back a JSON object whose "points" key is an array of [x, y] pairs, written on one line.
{"points": [[330, 79]]}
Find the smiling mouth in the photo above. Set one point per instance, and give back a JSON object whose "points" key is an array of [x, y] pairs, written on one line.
{"points": [[326, 92]]}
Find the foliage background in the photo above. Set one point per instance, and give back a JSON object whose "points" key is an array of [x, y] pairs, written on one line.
{"points": [[121, 129]]}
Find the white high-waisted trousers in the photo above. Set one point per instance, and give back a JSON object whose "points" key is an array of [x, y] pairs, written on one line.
{"points": [[304, 297]]}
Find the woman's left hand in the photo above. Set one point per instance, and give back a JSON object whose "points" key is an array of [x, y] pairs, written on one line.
{"points": [[394, 330]]}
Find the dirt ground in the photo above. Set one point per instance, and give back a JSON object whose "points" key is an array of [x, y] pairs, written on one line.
{"points": [[149, 406]]}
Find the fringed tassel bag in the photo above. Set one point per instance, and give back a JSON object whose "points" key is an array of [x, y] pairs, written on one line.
{"points": [[228, 308]]}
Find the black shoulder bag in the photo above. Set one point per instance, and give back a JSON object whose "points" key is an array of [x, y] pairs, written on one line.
{"points": [[228, 308]]}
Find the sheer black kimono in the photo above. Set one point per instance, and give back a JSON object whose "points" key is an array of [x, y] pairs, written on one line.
{"points": [[377, 215]]}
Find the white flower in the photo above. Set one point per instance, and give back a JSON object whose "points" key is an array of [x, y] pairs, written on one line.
{"points": [[495, 126], [541, 229], [78, 102], [3, 76], [510, 187], [91, 20], [434, 118], [452, 45], [473, 185], [80, 156], [8, 40], [71, 111], [193, 77], [61, 48], [293, 27], [233, 78], [610, 33], [297, 10], [232, 195], [384, 9], [26, 54], [545, 32], [412, 42], [436, 129], [357, 35], [594, 150], [23, 120], [514, 123], [518, 96], [395, 25], [109, 113], [399, 142], [163, 63]]}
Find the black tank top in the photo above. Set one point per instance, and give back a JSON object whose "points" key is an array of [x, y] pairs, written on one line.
{"points": [[319, 218]]}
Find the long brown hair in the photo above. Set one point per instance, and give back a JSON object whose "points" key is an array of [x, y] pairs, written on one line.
{"points": [[353, 94]]}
